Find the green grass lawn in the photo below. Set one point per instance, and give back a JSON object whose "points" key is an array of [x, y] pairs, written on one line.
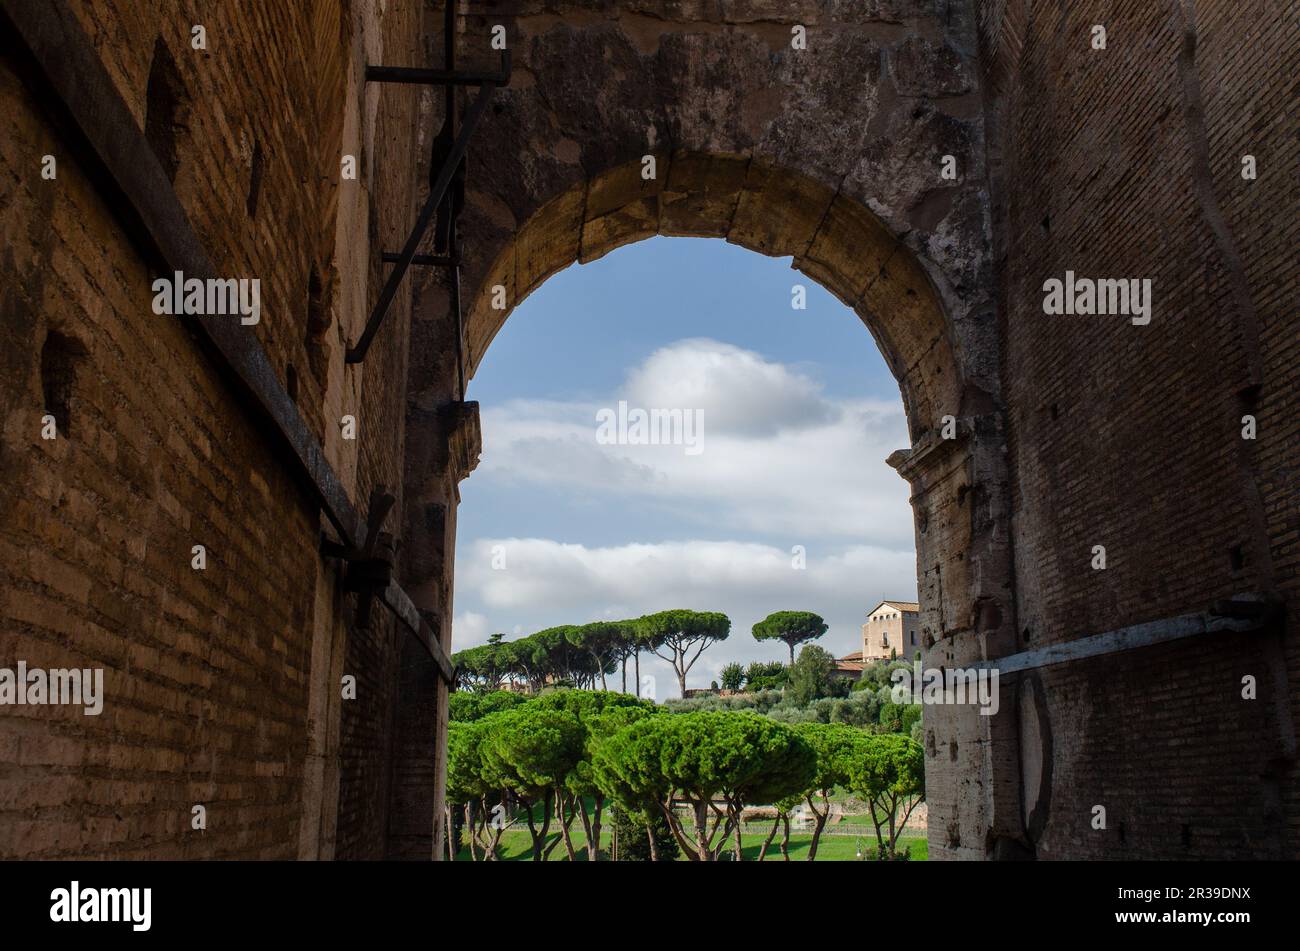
{"points": [[516, 846]]}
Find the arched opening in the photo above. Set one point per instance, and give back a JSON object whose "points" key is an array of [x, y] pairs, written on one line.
{"points": [[741, 461], [764, 490], [834, 240], [955, 465]]}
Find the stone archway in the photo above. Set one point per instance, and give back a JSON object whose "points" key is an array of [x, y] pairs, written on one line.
{"points": [[834, 240], [854, 194]]}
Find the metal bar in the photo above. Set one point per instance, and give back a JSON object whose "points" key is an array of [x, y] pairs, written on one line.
{"points": [[110, 146], [1123, 639], [436, 193], [460, 330], [417, 76], [422, 260], [449, 45], [397, 601]]}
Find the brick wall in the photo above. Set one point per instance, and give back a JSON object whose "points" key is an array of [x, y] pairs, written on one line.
{"points": [[208, 674], [1129, 436]]}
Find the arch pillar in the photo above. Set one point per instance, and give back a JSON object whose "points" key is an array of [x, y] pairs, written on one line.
{"points": [[965, 573]]}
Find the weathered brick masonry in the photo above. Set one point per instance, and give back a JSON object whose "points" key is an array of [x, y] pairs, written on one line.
{"points": [[223, 684], [1126, 162]]}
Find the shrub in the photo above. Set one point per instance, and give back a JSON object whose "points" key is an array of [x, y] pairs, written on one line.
{"points": [[466, 705], [760, 702], [771, 676], [633, 843]]}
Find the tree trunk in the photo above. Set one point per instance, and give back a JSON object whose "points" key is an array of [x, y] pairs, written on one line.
{"points": [[470, 831], [762, 853], [490, 848], [625, 673], [613, 842], [593, 834], [654, 846], [479, 826], [893, 836], [902, 826], [819, 823], [737, 850], [701, 824], [532, 834], [675, 826], [493, 840], [785, 838], [638, 675], [581, 806], [681, 681], [546, 852], [875, 821], [790, 644], [540, 838], [564, 825]]}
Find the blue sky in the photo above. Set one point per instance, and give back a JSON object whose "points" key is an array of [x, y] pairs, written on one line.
{"points": [[797, 412]]}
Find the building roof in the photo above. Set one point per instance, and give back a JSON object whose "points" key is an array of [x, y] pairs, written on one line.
{"points": [[851, 663], [901, 605]]}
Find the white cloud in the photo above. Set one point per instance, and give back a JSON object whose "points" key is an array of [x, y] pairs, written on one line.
{"points": [[776, 457], [469, 629], [738, 391]]}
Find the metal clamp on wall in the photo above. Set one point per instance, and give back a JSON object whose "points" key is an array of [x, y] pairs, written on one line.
{"points": [[369, 564], [447, 183]]}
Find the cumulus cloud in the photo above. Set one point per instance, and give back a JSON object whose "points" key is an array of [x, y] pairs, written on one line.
{"points": [[737, 390], [469, 629], [775, 456]]}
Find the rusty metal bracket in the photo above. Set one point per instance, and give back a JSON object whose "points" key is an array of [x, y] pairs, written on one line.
{"points": [[370, 574], [415, 76], [437, 192], [422, 260], [370, 564]]}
